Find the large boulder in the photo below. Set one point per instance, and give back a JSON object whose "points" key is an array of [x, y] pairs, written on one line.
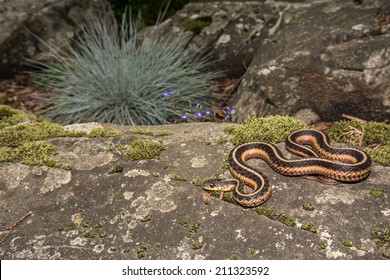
{"points": [[23, 22], [314, 60], [323, 61]]}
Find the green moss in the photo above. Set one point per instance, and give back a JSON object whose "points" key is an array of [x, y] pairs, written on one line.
{"points": [[21, 138], [141, 251], [6, 154], [251, 251], [375, 134], [194, 228], [99, 225], [196, 25], [347, 243], [10, 116], [143, 150], [234, 257], [146, 218], [163, 133], [103, 234], [308, 207], [381, 236], [115, 169], [271, 129], [377, 193], [175, 177], [33, 153], [381, 155], [222, 140], [357, 133], [280, 217], [21, 133], [196, 245], [89, 234], [322, 246], [184, 223], [196, 182], [309, 227], [142, 131]]}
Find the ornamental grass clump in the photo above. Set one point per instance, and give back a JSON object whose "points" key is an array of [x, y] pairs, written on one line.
{"points": [[113, 75]]}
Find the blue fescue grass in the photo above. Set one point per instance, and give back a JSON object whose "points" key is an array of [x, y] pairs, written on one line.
{"points": [[111, 76]]}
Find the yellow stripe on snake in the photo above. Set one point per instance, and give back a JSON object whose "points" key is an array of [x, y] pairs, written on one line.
{"points": [[329, 165]]}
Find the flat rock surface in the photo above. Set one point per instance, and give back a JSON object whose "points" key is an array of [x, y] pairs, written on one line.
{"points": [[142, 212]]}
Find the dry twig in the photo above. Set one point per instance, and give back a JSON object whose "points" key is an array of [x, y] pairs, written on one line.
{"points": [[352, 118], [11, 227]]}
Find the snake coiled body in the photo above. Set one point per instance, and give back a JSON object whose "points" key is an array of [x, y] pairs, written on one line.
{"points": [[321, 160]]}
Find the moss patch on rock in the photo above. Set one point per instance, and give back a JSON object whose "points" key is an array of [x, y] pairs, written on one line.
{"points": [[33, 153], [371, 134], [273, 129], [196, 25], [140, 149], [21, 138]]}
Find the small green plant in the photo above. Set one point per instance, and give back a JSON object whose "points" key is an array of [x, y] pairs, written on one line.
{"points": [[142, 131], [322, 246], [375, 134], [234, 256], [163, 133], [280, 217], [140, 149], [146, 218], [381, 236], [175, 177], [347, 243], [196, 25], [309, 227], [196, 245], [141, 251], [377, 193], [271, 129], [121, 78], [196, 182], [251, 251], [308, 207], [115, 169], [89, 234]]}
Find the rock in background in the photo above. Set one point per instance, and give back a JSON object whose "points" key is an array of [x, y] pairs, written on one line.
{"points": [[327, 59], [22, 22], [315, 60]]}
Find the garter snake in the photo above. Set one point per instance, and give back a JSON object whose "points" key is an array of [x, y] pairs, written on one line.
{"points": [[320, 160]]}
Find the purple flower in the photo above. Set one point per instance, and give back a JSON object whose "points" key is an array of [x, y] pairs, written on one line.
{"points": [[207, 112], [168, 93], [184, 117], [198, 104], [198, 115]]}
